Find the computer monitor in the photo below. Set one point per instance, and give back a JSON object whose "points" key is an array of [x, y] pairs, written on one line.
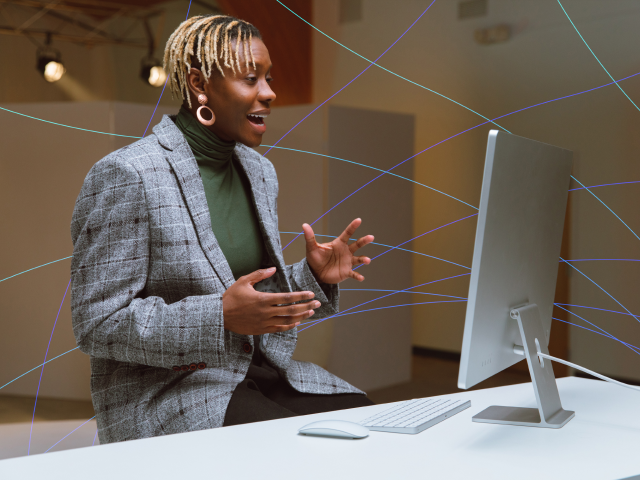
{"points": [[514, 270]]}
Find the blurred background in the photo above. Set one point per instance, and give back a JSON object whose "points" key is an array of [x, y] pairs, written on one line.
{"points": [[96, 65]]}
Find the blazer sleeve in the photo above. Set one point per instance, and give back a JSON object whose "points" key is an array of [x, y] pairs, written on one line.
{"points": [[111, 316], [299, 274]]}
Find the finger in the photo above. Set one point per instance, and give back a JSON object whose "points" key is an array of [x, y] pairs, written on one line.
{"points": [[274, 299], [281, 328], [288, 319], [361, 242], [309, 236], [258, 275], [356, 276], [361, 260], [293, 310], [350, 230]]}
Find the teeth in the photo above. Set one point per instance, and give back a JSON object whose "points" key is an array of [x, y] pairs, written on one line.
{"points": [[260, 116]]}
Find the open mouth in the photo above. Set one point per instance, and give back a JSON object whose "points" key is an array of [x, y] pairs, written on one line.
{"points": [[255, 119]]}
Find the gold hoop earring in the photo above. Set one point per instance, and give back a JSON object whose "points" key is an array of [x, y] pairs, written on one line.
{"points": [[202, 99]]}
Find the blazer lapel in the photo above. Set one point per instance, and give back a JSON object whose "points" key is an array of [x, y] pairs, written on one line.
{"points": [[186, 170], [250, 163]]}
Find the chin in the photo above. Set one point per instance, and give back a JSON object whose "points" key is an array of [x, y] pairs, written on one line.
{"points": [[252, 142]]}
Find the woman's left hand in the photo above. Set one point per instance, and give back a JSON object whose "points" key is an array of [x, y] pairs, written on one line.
{"points": [[333, 262]]}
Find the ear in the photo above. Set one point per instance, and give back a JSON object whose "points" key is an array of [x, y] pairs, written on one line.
{"points": [[195, 83]]}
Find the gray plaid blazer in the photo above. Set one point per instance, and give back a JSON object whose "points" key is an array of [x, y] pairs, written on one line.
{"points": [[147, 282]]}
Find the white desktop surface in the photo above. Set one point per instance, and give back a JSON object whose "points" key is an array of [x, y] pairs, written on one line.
{"points": [[602, 442]]}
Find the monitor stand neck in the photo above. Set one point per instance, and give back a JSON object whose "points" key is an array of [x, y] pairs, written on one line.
{"points": [[549, 413]]}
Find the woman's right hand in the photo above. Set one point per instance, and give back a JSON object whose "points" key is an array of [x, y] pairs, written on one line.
{"points": [[247, 311]]}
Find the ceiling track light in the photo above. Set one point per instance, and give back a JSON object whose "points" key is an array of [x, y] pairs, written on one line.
{"points": [[49, 61], [151, 70]]}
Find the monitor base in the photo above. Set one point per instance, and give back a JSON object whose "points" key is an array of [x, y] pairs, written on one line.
{"points": [[549, 413], [524, 417]]}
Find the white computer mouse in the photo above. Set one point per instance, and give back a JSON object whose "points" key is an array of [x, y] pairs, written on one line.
{"points": [[335, 428]]}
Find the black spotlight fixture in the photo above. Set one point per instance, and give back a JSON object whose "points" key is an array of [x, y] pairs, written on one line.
{"points": [[49, 61], [151, 71]]}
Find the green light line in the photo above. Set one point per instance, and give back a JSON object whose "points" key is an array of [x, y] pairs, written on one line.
{"points": [[389, 246], [594, 56], [35, 368], [59, 260], [607, 206], [389, 71], [68, 126], [373, 168]]}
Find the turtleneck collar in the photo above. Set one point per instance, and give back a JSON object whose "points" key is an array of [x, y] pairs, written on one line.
{"points": [[207, 147]]}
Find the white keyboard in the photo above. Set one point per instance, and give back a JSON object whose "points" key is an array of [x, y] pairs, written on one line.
{"points": [[414, 416]]}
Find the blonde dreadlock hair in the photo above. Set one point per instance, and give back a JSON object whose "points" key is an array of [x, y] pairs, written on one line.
{"points": [[202, 42]]}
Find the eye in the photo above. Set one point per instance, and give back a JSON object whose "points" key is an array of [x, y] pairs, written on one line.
{"points": [[270, 79]]}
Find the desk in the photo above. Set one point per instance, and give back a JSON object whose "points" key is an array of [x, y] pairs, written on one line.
{"points": [[602, 442]]}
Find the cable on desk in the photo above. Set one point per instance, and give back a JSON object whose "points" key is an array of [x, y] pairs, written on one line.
{"points": [[590, 372]]}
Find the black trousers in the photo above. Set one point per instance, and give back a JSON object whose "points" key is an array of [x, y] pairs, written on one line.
{"points": [[263, 395]]}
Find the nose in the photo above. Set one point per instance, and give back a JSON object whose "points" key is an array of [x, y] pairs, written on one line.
{"points": [[266, 94]]}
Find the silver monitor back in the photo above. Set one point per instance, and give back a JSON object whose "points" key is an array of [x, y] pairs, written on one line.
{"points": [[517, 248]]}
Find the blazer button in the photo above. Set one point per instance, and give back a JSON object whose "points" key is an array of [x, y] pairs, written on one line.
{"points": [[176, 368], [202, 366], [184, 368], [193, 366], [247, 347]]}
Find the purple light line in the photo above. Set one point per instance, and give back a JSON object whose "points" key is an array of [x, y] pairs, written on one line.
{"points": [[603, 260], [608, 294], [593, 325], [392, 306], [45, 361], [460, 133], [608, 336], [352, 80], [65, 294], [69, 434], [95, 436], [154, 110], [421, 235], [398, 291], [594, 308], [603, 185], [165, 85], [384, 296]]}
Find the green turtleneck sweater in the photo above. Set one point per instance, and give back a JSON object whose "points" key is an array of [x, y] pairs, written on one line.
{"points": [[233, 216]]}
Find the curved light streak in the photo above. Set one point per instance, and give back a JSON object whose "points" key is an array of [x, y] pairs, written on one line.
{"points": [[68, 126], [397, 291], [385, 296], [594, 56], [608, 294], [594, 308], [391, 306], [70, 434], [354, 78], [592, 324], [608, 336], [45, 361], [603, 185], [389, 71], [374, 168], [34, 268], [607, 207], [35, 368], [390, 246], [421, 235]]}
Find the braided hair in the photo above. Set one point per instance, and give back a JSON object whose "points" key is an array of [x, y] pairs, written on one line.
{"points": [[202, 42]]}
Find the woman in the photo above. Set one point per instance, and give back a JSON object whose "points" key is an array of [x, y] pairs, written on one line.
{"points": [[180, 293]]}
